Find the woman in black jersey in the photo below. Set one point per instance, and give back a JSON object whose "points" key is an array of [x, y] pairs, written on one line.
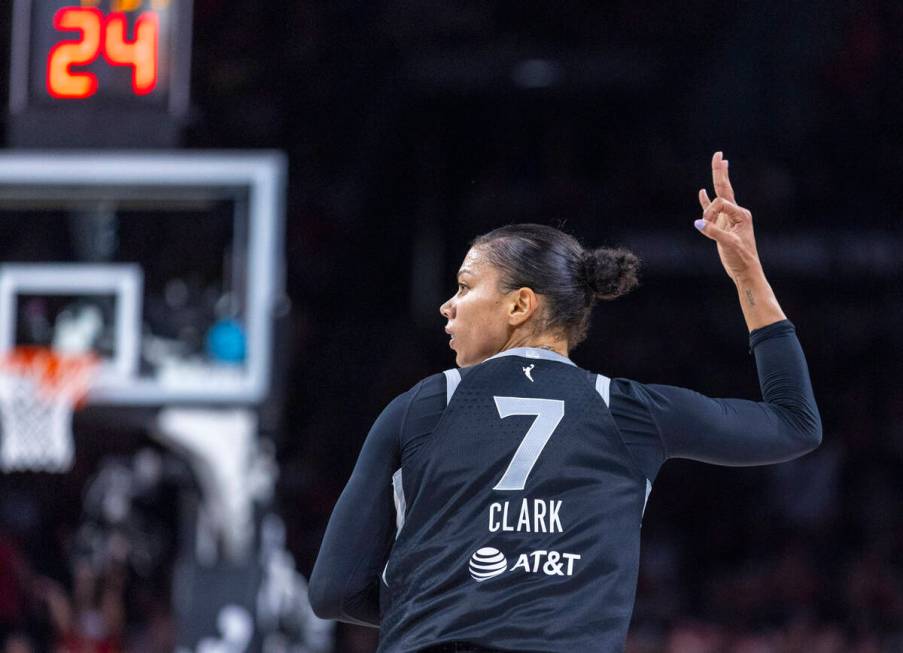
{"points": [[497, 506]]}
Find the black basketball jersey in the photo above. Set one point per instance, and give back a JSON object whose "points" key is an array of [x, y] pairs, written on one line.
{"points": [[518, 514]]}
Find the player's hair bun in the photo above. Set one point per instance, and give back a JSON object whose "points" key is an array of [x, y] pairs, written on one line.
{"points": [[555, 265], [610, 272]]}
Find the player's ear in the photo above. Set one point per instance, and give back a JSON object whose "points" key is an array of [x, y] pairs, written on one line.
{"points": [[523, 304]]}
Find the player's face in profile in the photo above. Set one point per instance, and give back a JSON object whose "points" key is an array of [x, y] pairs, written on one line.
{"points": [[477, 313]]}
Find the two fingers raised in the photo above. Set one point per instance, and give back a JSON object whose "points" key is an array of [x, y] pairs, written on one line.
{"points": [[724, 204]]}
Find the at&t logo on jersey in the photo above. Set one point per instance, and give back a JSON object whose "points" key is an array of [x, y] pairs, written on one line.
{"points": [[489, 562]]}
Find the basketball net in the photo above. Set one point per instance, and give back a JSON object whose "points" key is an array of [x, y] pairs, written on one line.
{"points": [[39, 389]]}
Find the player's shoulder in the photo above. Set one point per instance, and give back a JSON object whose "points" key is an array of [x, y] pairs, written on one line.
{"points": [[617, 388], [630, 395], [433, 393], [426, 400], [432, 386], [441, 385]]}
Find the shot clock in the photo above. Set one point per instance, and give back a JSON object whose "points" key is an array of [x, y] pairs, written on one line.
{"points": [[107, 35], [120, 62]]}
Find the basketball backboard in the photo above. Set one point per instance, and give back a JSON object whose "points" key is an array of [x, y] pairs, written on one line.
{"points": [[168, 265]]}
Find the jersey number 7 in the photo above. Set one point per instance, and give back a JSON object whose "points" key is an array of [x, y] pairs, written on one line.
{"points": [[548, 414]]}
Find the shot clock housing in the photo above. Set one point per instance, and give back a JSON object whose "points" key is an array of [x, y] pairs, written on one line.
{"points": [[99, 73]]}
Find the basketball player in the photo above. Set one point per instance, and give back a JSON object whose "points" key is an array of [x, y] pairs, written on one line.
{"points": [[520, 479]]}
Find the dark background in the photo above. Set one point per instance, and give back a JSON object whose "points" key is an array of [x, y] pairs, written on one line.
{"points": [[413, 127]]}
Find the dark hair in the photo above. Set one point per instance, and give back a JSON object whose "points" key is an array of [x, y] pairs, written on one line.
{"points": [[554, 264]]}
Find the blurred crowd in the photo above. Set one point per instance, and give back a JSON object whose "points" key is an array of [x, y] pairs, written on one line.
{"points": [[57, 597]]}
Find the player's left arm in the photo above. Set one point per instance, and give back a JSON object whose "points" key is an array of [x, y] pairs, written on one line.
{"points": [[344, 584], [784, 425]]}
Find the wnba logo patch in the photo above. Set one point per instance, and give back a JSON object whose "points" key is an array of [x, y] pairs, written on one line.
{"points": [[487, 563]]}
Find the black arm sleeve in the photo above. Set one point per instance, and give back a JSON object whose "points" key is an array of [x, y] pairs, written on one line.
{"points": [[344, 584], [686, 424]]}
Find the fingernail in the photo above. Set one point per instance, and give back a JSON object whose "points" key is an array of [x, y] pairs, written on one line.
{"points": [[699, 224], [726, 163]]}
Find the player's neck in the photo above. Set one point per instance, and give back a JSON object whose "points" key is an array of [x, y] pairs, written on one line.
{"points": [[539, 342]]}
